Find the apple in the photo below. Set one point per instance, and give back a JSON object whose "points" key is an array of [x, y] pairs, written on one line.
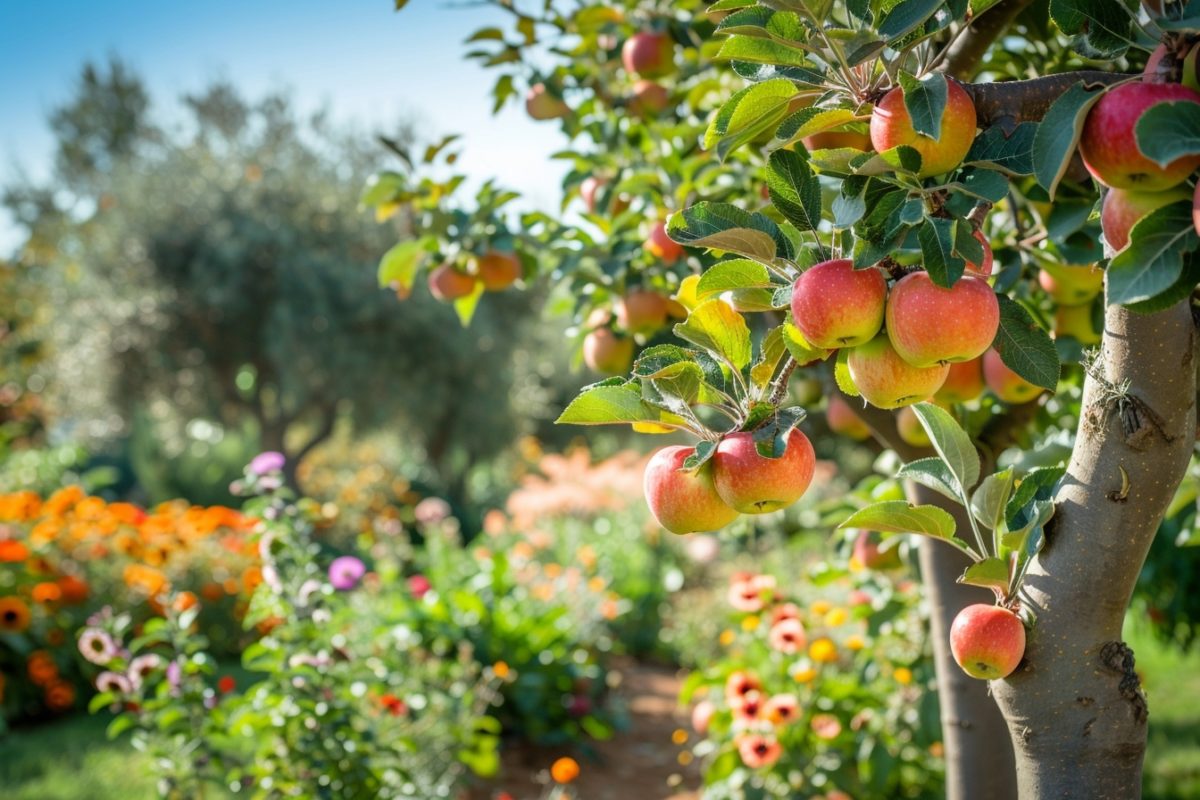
{"points": [[604, 351], [1071, 285], [835, 140], [984, 268], [641, 311], [660, 245], [1122, 209], [649, 99], [448, 284], [1076, 321], [497, 271], [841, 419], [1188, 70], [886, 380], [909, 428], [1006, 384], [834, 305], [964, 382], [541, 105], [648, 55], [1108, 145], [988, 642], [867, 552], [683, 501], [754, 484], [929, 324], [589, 189], [891, 126]]}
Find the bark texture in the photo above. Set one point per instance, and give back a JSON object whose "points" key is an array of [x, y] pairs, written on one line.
{"points": [[1075, 707]]}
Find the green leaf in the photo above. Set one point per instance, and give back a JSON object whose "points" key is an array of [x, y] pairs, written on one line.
{"points": [[119, 726], [749, 113], [907, 16], [704, 451], [1101, 28], [991, 573], [1024, 346], [1011, 153], [1058, 134], [716, 327], [1153, 260], [794, 189], [101, 700], [1167, 131], [465, 306], [771, 352], [771, 438], [1178, 291], [936, 236], [934, 473], [608, 404], [991, 498], [808, 121], [897, 516], [951, 443], [1039, 484], [762, 51], [400, 263], [800, 349], [734, 273], [841, 373], [721, 226], [925, 100], [1027, 540]]}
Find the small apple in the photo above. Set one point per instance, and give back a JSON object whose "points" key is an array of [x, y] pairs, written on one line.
{"points": [[886, 380], [836, 140], [541, 105], [649, 99], [1123, 208], [448, 284], [834, 305], [867, 552], [1071, 285], [497, 271], [648, 55], [683, 501], [964, 382], [891, 126], [1109, 147], [988, 642], [984, 268], [929, 324], [909, 428], [841, 419], [1004, 383], [754, 484], [605, 352], [660, 245], [641, 311], [1076, 321]]}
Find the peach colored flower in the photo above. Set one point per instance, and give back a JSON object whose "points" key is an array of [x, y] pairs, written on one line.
{"points": [[738, 684], [782, 709], [748, 707], [787, 636], [826, 726], [758, 751]]}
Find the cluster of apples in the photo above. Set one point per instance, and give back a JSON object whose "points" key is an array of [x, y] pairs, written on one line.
{"points": [[494, 269], [736, 480]]}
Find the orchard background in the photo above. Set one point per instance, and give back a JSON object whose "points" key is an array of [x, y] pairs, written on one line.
{"points": [[879, 317]]}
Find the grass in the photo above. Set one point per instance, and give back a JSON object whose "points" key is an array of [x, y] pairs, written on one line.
{"points": [[71, 758]]}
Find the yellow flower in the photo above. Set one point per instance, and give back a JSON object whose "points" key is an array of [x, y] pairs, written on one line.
{"points": [[679, 736], [501, 669], [804, 673], [821, 607], [750, 623], [903, 676], [855, 642], [726, 637], [823, 651], [836, 617]]}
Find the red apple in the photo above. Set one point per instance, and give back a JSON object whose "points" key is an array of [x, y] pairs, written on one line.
{"points": [[1006, 384], [1188, 73], [984, 268], [841, 419], [988, 642], [682, 501], [1109, 147], [1076, 321], [885, 380], [604, 351], [964, 382], [1071, 285], [754, 484], [448, 284], [1122, 208], [834, 305], [867, 552], [589, 188], [648, 55], [641, 311], [660, 245], [497, 271], [909, 428], [649, 99], [541, 105], [835, 140], [929, 324], [891, 126]]}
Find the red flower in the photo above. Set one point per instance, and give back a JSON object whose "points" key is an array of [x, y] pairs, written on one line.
{"points": [[226, 684], [394, 705]]}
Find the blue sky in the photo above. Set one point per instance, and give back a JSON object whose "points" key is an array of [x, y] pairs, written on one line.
{"points": [[370, 65]]}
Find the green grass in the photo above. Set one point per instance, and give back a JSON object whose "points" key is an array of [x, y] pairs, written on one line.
{"points": [[1172, 684]]}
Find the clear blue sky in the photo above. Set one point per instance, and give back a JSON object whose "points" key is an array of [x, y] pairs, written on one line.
{"points": [[369, 64]]}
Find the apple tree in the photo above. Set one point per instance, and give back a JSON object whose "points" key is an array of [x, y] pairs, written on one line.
{"points": [[975, 221]]}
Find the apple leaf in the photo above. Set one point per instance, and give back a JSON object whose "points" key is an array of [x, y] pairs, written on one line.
{"points": [[991, 573], [749, 113], [807, 121], [1027, 540], [1058, 134], [1153, 260], [1039, 484], [989, 500], [800, 349], [1011, 153], [842, 376], [936, 236], [934, 473], [965, 243], [1167, 131], [716, 327], [611, 402], [906, 17], [704, 451], [762, 51], [771, 351], [654, 361], [898, 516], [1024, 346], [1099, 28], [465, 306], [925, 100], [794, 189], [1176, 292], [731, 274], [771, 438], [400, 263], [721, 226], [951, 442]]}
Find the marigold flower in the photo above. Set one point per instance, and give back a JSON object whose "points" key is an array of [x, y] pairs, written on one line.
{"points": [[564, 770], [12, 551], [750, 623], [787, 636], [836, 616], [46, 593], [855, 642], [758, 751], [804, 673], [903, 676], [14, 615], [74, 590], [60, 696], [41, 667], [501, 670], [821, 607], [393, 705], [726, 638], [147, 580]]}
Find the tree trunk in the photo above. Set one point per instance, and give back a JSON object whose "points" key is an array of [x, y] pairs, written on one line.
{"points": [[1075, 707]]}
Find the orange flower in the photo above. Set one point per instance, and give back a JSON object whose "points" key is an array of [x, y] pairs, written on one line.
{"points": [[12, 551], [42, 669], [183, 601], [394, 705], [62, 501], [501, 669], [74, 590], [19, 506], [564, 770], [14, 615], [251, 578], [46, 593], [60, 696], [212, 592], [146, 580]]}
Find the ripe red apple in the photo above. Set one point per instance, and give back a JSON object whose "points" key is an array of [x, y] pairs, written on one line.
{"points": [[1122, 208], [649, 99], [841, 419], [1189, 70], [541, 105], [448, 284], [1071, 285], [604, 351], [891, 126], [683, 502], [1109, 147], [964, 382], [660, 245], [834, 305], [1006, 384], [1076, 321], [648, 55], [867, 552], [834, 140], [984, 268], [929, 324], [988, 642], [885, 380], [753, 484], [641, 311], [497, 271], [909, 428]]}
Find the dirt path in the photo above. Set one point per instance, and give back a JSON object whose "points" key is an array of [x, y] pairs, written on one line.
{"points": [[640, 763]]}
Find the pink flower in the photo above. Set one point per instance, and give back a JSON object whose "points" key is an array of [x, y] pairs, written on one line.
{"points": [[345, 572], [826, 726], [785, 611], [142, 666], [758, 751], [431, 510], [97, 646], [113, 682], [702, 715], [782, 709], [270, 461], [787, 636], [738, 684], [743, 596], [419, 585], [748, 707]]}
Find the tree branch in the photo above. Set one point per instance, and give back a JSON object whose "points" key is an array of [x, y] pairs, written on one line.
{"points": [[1008, 103], [963, 55]]}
